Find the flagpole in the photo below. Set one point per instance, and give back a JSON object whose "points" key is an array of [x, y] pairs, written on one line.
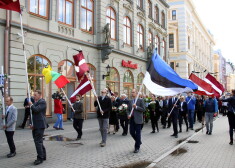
{"points": [[68, 100], [190, 99], [3, 99], [26, 69], [174, 106], [137, 98], [94, 91]]}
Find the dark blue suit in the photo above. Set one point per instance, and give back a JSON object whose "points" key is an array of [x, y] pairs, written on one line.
{"points": [[174, 114]]}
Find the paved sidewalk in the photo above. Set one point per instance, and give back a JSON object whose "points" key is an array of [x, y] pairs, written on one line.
{"points": [[118, 151]]}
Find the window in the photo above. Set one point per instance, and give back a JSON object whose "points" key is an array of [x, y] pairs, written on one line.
{"points": [[188, 42], [172, 65], [171, 40], [163, 20], [164, 50], [173, 14], [111, 19], [89, 96], [66, 12], [140, 79], [150, 9], [39, 7], [128, 83], [66, 68], [87, 9], [35, 66], [113, 80], [140, 3], [140, 36], [157, 44], [127, 31], [156, 14], [150, 39]]}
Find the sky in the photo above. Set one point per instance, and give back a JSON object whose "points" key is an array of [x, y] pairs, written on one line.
{"points": [[219, 17]]}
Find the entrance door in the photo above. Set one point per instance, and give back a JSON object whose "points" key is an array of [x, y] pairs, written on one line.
{"points": [[127, 88]]}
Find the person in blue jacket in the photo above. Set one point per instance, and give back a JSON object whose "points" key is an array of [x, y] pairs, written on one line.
{"points": [[191, 102]]}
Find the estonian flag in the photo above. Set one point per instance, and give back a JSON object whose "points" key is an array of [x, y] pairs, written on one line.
{"points": [[161, 79]]}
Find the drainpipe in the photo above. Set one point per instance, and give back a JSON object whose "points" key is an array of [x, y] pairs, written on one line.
{"points": [[6, 50]]}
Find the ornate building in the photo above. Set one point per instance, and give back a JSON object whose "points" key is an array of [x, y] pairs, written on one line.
{"points": [[190, 43], [118, 33]]}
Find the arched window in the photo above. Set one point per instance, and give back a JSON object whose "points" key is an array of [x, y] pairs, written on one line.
{"points": [[163, 20], [150, 39], [87, 10], [156, 14], [140, 4], [36, 63], [113, 80], [128, 83], [66, 68], [111, 19], [157, 44], [150, 9], [164, 49], [140, 36], [140, 79], [66, 12], [90, 98], [127, 31]]}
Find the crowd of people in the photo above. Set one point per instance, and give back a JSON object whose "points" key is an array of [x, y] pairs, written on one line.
{"points": [[129, 113]]}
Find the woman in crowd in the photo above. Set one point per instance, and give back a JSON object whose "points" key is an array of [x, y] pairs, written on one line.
{"points": [[154, 113], [113, 115]]}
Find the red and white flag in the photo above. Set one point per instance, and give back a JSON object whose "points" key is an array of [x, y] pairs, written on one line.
{"points": [[13, 5], [218, 88], [80, 65], [82, 88], [204, 88]]}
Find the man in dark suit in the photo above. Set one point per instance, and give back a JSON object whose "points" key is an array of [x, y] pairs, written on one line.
{"points": [[122, 115], [10, 124], [27, 111], [38, 126], [183, 113], [117, 100], [136, 119], [174, 106], [103, 114]]}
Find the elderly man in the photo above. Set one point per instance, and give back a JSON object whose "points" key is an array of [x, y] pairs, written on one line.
{"points": [[103, 114], [39, 124], [10, 118], [136, 118]]}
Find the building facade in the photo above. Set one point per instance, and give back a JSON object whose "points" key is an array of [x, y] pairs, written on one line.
{"points": [[190, 43], [117, 33], [230, 77], [216, 62]]}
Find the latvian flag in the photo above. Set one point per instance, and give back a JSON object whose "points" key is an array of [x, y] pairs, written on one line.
{"points": [[80, 65], [82, 88], [204, 88], [13, 5], [161, 79], [218, 88]]}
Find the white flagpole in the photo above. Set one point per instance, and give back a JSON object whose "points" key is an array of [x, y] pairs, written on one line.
{"points": [[137, 97], [68, 100], [94, 91], [26, 69], [3, 99], [174, 106], [190, 99]]}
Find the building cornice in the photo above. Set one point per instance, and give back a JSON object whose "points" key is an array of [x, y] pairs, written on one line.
{"points": [[164, 3], [69, 39]]}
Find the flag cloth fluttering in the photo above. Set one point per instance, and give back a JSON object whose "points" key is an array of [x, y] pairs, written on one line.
{"points": [[204, 88], [218, 88], [161, 79], [82, 88], [56, 77], [80, 65], [13, 5]]}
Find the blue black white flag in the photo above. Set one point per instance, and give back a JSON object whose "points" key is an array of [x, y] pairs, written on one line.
{"points": [[161, 79]]}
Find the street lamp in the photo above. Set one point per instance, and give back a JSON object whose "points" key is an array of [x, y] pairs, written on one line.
{"points": [[108, 71]]}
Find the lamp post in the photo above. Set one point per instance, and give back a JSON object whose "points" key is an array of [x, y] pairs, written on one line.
{"points": [[108, 72]]}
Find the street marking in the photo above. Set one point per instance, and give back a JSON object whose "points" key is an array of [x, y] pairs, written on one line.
{"points": [[154, 163]]}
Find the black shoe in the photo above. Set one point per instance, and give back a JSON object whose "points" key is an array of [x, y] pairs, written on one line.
{"points": [[21, 127], [78, 138], [152, 132], [11, 155], [136, 151], [173, 135], [210, 133], [187, 130], [168, 126], [44, 159], [191, 128], [38, 161], [176, 136], [180, 131], [61, 128], [164, 127], [231, 143], [207, 132]]}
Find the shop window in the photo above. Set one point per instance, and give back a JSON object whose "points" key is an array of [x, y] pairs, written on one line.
{"points": [[140, 79], [128, 83], [113, 80], [35, 66]]}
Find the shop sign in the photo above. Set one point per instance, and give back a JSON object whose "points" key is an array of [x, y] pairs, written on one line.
{"points": [[129, 64]]}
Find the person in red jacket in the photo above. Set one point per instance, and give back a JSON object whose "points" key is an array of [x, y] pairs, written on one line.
{"points": [[58, 110]]}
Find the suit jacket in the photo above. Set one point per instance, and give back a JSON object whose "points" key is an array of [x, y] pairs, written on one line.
{"points": [[106, 106], [185, 108], [171, 104], [11, 118], [79, 113], [137, 112], [26, 102], [38, 113], [155, 111]]}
